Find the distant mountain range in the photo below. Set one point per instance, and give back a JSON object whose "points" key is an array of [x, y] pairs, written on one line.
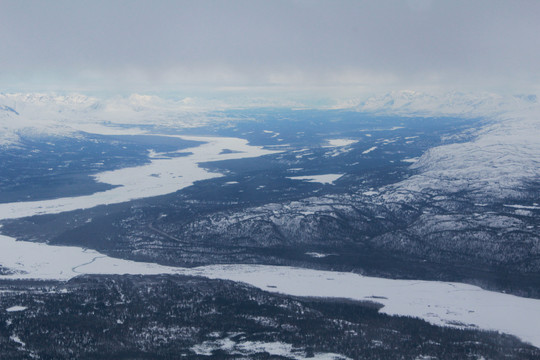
{"points": [[497, 158]]}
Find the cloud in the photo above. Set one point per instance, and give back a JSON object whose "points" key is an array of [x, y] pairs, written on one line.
{"points": [[168, 44]]}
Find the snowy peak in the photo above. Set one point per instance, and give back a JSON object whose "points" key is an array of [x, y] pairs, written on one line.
{"points": [[21, 102]]}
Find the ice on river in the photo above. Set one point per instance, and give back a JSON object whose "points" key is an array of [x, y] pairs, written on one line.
{"points": [[440, 303]]}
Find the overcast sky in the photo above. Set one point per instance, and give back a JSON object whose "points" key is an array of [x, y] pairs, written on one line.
{"points": [[136, 45]]}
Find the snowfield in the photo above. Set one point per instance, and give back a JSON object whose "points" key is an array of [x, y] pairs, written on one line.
{"points": [[440, 303]]}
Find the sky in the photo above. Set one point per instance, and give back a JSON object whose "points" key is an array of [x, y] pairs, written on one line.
{"points": [[249, 45]]}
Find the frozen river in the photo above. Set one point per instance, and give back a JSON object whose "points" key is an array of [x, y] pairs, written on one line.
{"points": [[440, 303]]}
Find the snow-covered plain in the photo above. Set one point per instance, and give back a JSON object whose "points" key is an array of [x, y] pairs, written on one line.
{"points": [[162, 176], [440, 303], [323, 179]]}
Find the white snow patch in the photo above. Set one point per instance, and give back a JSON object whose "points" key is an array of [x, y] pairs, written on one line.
{"points": [[524, 207], [16, 308], [323, 179], [369, 150], [411, 160], [336, 151], [252, 347], [275, 134], [17, 339], [317, 255], [207, 347], [340, 142], [523, 212]]}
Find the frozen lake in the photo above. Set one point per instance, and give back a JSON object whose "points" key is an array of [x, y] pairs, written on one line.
{"points": [[164, 175]]}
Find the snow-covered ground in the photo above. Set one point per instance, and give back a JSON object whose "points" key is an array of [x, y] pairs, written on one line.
{"points": [[162, 176], [440, 303], [16, 308], [323, 179], [502, 157], [317, 255], [252, 347], [340, 142], [369, 150], [411, 160]]}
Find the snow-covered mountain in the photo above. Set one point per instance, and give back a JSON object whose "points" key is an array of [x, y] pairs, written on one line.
{"points": [[65, 115], [496, 160], [414, 103], [500, 160]]}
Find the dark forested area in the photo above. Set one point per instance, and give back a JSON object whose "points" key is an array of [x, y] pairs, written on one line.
{"points": [[171, 317]]}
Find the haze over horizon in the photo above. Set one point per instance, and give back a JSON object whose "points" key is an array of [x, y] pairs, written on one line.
{"points": [[264, 47]]}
